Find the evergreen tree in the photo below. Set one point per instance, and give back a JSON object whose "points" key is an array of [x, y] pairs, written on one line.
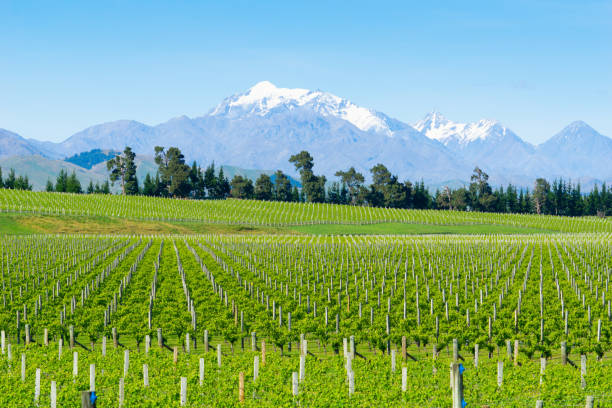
{"points": [[241, 187], [1, 181], [282, 187], [210, 180], [49, 187], [263, 187], [149, 187], [173, 171], [90, 187], [353, 180], [123, 168], [73, 185], [223, 187], [313, 187]]}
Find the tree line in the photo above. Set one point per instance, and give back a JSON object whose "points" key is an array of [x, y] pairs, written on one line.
{"points": [[15, 182], [175, 178]]}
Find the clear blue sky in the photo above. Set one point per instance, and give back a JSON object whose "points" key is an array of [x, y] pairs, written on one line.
{"points": [[534, 65]]}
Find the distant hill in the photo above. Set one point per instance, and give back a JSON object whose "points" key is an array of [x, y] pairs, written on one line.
{"points": [[89, 159]]}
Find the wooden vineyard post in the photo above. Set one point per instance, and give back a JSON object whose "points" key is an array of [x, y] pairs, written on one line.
{"points": [[160, 338], [147, 343], [71, 331], [45, 339], [206, 341], [455, 350], [516, 352], [115, 341], [564, 352], [183, 391], [241, 386], [103, 345], [404, 348], [457, 386], [590, 401], [219, 355], [263, 352], [27, 334], [86, 399], [145, 375], [583, 370], [175, 355], [121, 391], [126, 362], [253, 342]]}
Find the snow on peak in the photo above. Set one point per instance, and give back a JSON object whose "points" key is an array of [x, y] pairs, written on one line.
{"points": [[264, 97], [435, 126]]}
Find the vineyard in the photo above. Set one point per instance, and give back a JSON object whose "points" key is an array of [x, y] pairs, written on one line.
{"points": [[269, 213], [208, 320]]}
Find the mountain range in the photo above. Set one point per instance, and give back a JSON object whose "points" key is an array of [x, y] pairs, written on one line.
{"points": [[261, 127]]}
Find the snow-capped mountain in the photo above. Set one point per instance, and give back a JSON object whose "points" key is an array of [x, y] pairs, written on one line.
{"points": [[265, 98], [263, 126]]}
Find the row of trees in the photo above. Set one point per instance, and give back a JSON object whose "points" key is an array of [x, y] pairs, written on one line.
{"points": [[174, 178], [15, 182]]}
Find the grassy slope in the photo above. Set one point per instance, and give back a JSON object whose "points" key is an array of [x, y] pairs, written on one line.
{"points": [[41, 224]]}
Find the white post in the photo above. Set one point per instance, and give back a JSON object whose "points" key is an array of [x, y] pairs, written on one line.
{"points": [[302, 367], [542, 369], [187, 343], [92, 377], [344, 347], [183, 391], [37, 386], [53, 394], [294, 382], [9, 355], [500, 373], [147, 343], [104, 346], [3, 337], [23, 367], [145, 375], [351, 381], [392, 361], [404, 379], [75, 364], [59, 349], [476, 352], [126, 362], [121, 391], [219, 355], [255, 368]]}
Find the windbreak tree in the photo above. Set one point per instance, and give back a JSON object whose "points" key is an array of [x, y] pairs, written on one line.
{"points": [[313, 187], [123, 168], [263, 187], [173, 171]]}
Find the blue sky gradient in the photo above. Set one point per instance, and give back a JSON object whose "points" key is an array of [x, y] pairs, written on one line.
{"points": [[534, 65]]}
